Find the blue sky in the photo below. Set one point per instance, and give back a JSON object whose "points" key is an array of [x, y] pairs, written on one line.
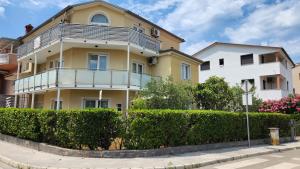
{"points": [[199, 22]]}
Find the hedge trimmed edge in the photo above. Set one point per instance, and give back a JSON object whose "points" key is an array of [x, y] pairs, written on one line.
{"points": [[143, 129], [164, 128]]}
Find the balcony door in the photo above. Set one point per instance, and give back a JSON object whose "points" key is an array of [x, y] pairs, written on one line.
{"points": [[98, 62]]}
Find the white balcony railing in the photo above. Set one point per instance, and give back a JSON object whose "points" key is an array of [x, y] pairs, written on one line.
{"points": [[4, 58], [82, 79], [89, 32]]}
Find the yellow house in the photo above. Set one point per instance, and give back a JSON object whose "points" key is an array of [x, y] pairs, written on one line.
{"points": [[96, 54], [296, 78]]}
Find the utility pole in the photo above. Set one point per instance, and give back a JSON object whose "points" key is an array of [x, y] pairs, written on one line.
{"points": [[247, 112]]}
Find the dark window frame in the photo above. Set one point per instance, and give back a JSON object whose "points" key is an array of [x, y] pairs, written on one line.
{"points": [[247, 61], [221, 62], [204, 67]]}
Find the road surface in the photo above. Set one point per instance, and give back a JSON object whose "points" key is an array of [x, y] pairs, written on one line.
{"points": [[282, 160]]}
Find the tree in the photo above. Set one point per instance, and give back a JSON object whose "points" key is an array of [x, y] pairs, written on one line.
{"points": [[165, 94], [216, 94], [213, 94], [236, 103]]}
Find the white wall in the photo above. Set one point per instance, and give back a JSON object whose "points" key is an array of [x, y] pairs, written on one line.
{"points": [[234, 72]]}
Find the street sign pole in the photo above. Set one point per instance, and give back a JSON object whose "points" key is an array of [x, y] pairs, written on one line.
{"points": [[247, 112]]}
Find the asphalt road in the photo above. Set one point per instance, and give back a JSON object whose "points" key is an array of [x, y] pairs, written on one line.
{"points": [[4, 166], [282, 160]]}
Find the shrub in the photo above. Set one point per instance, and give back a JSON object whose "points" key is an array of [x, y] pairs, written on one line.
{"points": [[22, 123], [216, 94], [287, 105], [76, 129], [165, 94], [156, 128], [162, 128]]}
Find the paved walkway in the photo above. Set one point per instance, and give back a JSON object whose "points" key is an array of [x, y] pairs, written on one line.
{"points": [[24, 157]]}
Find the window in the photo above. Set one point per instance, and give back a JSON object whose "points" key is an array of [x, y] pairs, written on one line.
{"points": [[55, 64], [137, 68], [90, 104], [54, 104], [287, 85], [100, 19], [97, 62], [205, 66], [247, 59], [299, 76], [185, 71], [94, 103], [221, 62], [139, 29], [119, 107]]}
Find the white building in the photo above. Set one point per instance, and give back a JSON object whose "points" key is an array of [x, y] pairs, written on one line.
{"points": [[268, 68]]}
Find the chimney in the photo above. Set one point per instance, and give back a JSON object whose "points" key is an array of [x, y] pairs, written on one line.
{"points": [[28, 28]]}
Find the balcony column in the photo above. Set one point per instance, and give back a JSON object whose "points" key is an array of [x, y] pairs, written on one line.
{"points": [[128, 74], [278, 82], [16, 95], [60, 67], [34, 74]]}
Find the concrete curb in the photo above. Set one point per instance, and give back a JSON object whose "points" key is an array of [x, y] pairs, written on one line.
{"points": [[21, 165], [43, 147]]}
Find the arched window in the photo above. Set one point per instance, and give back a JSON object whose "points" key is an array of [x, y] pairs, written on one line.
{"points": [[100, 19]]}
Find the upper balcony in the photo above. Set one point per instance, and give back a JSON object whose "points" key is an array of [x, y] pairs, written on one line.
{"points": [[89, 36], [8, 61], [67, 78]]}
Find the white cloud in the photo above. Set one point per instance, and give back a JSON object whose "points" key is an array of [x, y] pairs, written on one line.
{"points": [[39, 4], [2, 11], [276, 24], [147, 8], [3, 4], [195, 47], [277, 20], [198, 16]]}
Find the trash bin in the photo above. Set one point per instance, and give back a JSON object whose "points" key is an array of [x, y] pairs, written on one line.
{"points": [[274, 135]]}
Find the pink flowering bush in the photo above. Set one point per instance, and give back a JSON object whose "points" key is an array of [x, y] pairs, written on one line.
{"points": [[287, 105]]}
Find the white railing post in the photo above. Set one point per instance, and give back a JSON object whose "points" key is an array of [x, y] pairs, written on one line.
{"points": [[60, 67], [128, 81], [34, 77], [16, 95]]}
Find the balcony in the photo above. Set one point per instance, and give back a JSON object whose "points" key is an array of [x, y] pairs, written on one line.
{"points": [[81, 79], [8, 61], [4, 59], [91, 34]]}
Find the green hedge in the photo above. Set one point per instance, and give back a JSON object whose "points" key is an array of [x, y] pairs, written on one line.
{"points": [[156, 128], [22, 123], [145, 129], [76, 129]]}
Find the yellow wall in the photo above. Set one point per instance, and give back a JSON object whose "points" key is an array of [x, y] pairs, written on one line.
{"points": [[78, 58], [169, 64], [73, 99], [117, 18], [296, 79]]}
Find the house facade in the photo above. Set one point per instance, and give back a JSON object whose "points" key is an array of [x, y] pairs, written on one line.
{"points": [[96, 54], [8, 69], [268, 69], [296, 79]]}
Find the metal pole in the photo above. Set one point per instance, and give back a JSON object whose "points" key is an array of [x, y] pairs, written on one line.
{"points": [[60, 67], [100, 98], [247, 114], [128, 74], [34, 74], [16, 96]]}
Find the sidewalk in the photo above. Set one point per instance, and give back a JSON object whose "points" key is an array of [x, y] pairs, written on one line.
{"points": [[18, 156]]}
